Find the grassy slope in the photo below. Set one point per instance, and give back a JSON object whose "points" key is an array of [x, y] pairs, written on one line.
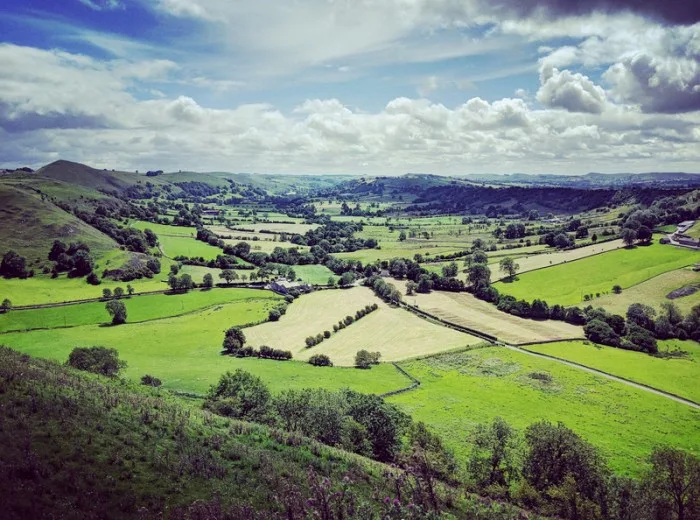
{"points": [[459, 391], [566, 283], [185, 352], [29, 226], [81, 446], [162, 230], [680, 376], [139, 308], [187, 246]]}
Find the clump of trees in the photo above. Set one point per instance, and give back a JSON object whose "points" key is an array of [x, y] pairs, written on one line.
{"points": [[99, 360], [182, 284], [74, 258], [320, 360], [386, 291], [234, 345]]}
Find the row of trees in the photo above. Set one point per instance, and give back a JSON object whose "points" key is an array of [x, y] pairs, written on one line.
{"points": [[234, 345], [312, 341]]}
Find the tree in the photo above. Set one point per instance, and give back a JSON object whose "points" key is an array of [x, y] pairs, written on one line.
{"points": [[13, 265], [208, 281], [240, 395], [173, 282], [479, 275], [628, 236], [117, 310], [93, 279], [234, 339], [186, 283], [331, 281], [450, 270], [229, 275], [347, 279], [118, 292], [365, 359], [106, 293], [509, 266], [58, 248], [151, 238], [6, 305], [600, 332], [99, 360], [492, 460], [674, 479], [479, 257], [82, 263], [617, 289], [274, 315], [557, 457], [411, 287], [642, 315], [402, 236], [425, 284], [672, 312], [291, 274], [129, 290], [561, 241], [174, 268], [644, 234]]}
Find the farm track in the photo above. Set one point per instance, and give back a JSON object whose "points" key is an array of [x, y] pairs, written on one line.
{"points": [[606, 375]]}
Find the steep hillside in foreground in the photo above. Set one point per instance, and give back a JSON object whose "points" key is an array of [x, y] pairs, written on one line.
{"points": [[80, 446], [29, 224]]}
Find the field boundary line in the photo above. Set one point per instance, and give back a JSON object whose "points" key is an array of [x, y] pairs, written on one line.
{"points": [[415, 383], [619, 379], [546, 341]]}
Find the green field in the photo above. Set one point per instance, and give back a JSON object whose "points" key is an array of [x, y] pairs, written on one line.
{"points": [[679, 376], [185, 352], [173, 246], [139, 308], [314, 274], [459, 391], [163, 230], [567, 283]]}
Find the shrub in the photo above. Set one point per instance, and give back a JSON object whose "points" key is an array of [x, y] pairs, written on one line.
{"points": [[149, 380], [99, 360], [274, 315], [326, 334], [93, 279], [240, 395]]}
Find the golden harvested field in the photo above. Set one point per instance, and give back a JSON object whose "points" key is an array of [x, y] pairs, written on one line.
{"points": [[653, 292], [396, 333], [530, 263], [468, 311]]}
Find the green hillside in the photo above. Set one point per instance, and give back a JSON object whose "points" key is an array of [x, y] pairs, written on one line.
{"points": [[83, 446], [30, 225]]}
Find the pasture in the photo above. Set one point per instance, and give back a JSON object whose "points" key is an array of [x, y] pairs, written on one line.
{"points": [[185, 352], [139, 308], [676, 375], [163, 230], [292, 229], [554, 257], [566, 284], [468, 311], [396, 333], [314, 274], [654, 292], [460, 390], [174, 246]]}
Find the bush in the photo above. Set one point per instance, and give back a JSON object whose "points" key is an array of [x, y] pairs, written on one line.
{"points": [[150, 381], [93, 279], [600, 332], [240, 395], [320, 360], [274, 315], [99, 360]]}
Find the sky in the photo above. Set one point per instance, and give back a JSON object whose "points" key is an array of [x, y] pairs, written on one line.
{"points": [[371, 87]]}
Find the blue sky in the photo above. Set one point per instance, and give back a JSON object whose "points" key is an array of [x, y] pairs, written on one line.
{"points": [[366, 86]]}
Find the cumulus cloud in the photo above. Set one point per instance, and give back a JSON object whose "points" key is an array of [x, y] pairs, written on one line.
{"points": [[571, 91], [102, 5]]}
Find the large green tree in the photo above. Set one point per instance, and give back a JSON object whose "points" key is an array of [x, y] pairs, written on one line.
{"points": [[117, 310]]}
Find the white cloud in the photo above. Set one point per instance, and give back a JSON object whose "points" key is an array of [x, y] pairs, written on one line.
{"points": [[573, 92], [102, 5]]}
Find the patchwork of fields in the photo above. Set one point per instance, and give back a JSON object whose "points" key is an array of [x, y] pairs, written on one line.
{"points": [[396, 333]]}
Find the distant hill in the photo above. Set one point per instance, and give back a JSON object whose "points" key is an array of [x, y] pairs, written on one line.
{"points": [[593, 180], [82, 175]]}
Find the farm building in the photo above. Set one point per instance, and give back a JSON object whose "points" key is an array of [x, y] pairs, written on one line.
{"points": [[211, 212], [685, 226], [284, 286]]}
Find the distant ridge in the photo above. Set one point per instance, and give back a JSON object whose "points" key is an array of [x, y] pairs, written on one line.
{"points": [[82, 175]]}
